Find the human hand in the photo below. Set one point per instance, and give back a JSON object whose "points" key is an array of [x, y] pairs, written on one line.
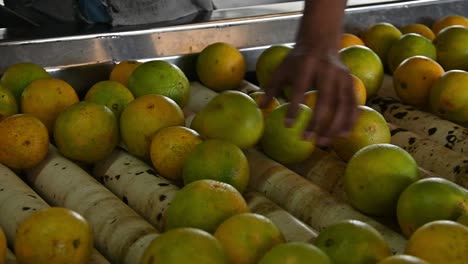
{"points": [[336, 107]]}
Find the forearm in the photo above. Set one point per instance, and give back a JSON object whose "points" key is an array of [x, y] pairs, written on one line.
{"points": [[321, 24]]}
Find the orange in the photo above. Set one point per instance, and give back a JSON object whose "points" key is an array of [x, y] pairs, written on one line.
{"points": [[452, 48], [380, 37], [218, 160], [402, 259], [169, 149], [463, 219], [258, 97], [413, 79], [352, 241], [143, 117], [86, 132], [24, 140], [268, 61], [247, 237], [427, 200], [3, 246], [54, 235], [285, 144], [440, 242], [8, 104], [348, 39], [449, 96], [420, 29], [111, 94], [160, 77], [220, 66], [447, 21], [46, 99], [121, 71], [18, 76], [373, 184], [204, 204], [310, 97], [295, 253], [232, 116], [184, 245], [369, 128], [409, 45], [366, 65]]}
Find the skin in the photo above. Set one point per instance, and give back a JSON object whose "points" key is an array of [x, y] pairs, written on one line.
{"points": [[315, 58]]}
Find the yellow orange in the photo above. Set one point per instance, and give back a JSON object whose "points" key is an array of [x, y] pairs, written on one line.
{"points": [[348, 39], [122, 71], [420, 29], [447, 21]]}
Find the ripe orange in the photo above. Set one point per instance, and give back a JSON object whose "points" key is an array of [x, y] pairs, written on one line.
{"points": [[160, 77], [18, 76], [413, 79], [111, 94], [402, 259], [143, 117], [184, 245], [258, 97], [366, 65], [268, 61], [8, 104], [380, 37], [170, 148], [447, 21], [24, 140], [86, 132], [220, 66], [218, 160], [122, 71], [295, 253], [3, 246], [246, 237], [420, 29], [452, 48], [204, 204], [409, 45], [232, 116], [348, 39], [46, 99], [54, 235]]}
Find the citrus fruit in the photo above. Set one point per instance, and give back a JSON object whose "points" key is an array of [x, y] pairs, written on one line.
{"points": [[221, 66], [46, 99], [218, 160], [372, 184], [268, 61], [428, 200], [24, 140], [310, 98], [369, 128], [184, 245], [463, 219], [86, 132], [246, 237], [258, 97], [380, 37], [54, 235], [440, 242], [447, 21], [19, 75], [285, 144], [122, 71], [366, 65], [232, 116], [402, 259], [449, 96], [204, 204], [8, 104], [452, 48], [160, 77], [413, 79], [409, 45], [352, 241], [348, 39], [3, 246], [143, 117], [295, 253], [169, 149], [420, 29], [111, 94]]}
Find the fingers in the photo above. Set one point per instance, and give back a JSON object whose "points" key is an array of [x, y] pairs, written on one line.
{"points": [[345, 108], [278, 80], [300, 86]]}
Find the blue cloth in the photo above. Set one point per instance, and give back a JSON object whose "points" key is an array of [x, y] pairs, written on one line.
{"points": [[94, 11]]}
